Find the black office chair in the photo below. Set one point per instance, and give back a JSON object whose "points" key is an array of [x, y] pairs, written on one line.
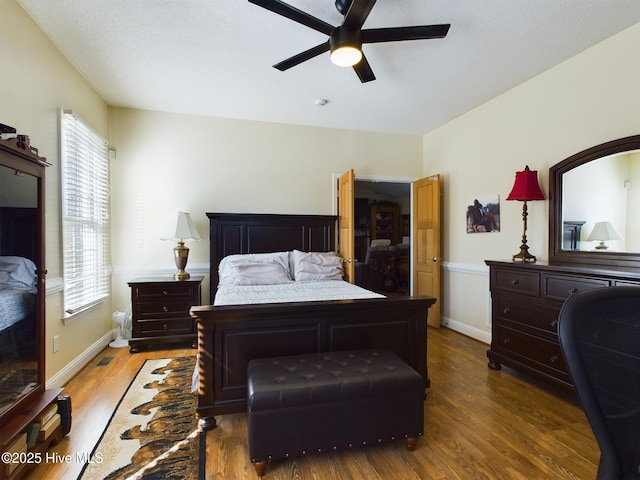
{"points": [[599, 333]]}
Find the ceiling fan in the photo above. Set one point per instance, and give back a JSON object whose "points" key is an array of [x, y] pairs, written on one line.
{"points": [[346, 40]]}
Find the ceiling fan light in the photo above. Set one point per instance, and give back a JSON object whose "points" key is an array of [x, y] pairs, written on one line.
{"points": [[346, 56]]}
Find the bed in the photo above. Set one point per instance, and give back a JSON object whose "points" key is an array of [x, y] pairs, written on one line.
{"points": [[231, 335], [18, 289]]}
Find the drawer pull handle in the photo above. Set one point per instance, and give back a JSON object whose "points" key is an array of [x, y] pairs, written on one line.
{"points": [[506, 311], [166, 327], [165, 309], [554, 359], [164, 292], [515, 282], [506, 341], [573, 290]]}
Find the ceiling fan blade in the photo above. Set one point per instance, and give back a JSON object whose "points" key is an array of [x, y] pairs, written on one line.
{"points": [[363, 70], [302, 57], [292, 13], [397, 34], [357, 14]]}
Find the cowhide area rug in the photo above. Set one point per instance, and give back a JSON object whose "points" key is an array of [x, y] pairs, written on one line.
{"points": [[153, 434]]}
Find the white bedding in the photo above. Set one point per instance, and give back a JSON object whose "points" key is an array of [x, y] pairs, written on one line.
{"points": [[290, 292], [15, 305]]}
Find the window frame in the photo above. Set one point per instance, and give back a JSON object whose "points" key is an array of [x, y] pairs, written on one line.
{"points": [[85, 213]]}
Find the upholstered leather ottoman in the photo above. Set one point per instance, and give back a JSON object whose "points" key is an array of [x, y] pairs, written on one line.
{"points": [[328, 401]]}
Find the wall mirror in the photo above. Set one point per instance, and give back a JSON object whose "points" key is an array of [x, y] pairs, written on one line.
{"points": [[594, 200]]}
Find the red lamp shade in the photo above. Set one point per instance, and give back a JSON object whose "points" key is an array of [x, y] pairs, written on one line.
{"points": [[526, 186]]}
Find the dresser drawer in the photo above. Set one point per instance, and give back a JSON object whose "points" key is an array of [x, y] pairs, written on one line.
{"points": [[527, 314], [512, 281], [166, 327], [155, 293], [560, 287], [543, 355]]}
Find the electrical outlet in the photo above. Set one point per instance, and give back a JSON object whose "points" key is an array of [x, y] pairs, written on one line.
{"points": [[56, 343]]}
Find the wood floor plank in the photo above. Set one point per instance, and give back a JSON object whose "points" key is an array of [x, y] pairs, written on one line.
{"points": [[479, 424]]}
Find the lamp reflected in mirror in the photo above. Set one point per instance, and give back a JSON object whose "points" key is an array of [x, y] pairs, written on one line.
{"points": [[603, 231]]}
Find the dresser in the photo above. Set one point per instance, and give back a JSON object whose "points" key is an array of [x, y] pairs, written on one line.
{"points": [[160, 310], [525, 303]]}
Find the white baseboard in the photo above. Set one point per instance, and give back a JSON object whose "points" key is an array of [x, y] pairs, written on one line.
{"points": [[61, 378], [476, 333]]}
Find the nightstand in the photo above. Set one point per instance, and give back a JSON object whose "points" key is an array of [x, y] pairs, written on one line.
{"points": [[160, 310]]}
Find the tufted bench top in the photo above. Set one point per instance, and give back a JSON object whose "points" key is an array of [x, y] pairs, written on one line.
{"points": [[318, 378]]}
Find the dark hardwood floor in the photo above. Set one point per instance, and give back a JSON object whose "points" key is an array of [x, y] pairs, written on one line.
{"points": [[479, 424]]}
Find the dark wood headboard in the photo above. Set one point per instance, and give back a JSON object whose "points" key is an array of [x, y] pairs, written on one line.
{"points": [[231, 233]]}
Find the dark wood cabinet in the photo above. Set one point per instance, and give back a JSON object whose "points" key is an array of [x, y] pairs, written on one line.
{"points": [[525, 303], [385, 222], [160, 310]]}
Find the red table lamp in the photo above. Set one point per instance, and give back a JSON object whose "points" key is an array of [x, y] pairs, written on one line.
{"points": [[525, 189]]}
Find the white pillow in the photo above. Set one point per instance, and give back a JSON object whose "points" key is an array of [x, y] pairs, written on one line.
{"points": [[18, 272], [227, 270], [260, 274], [317, 266]]}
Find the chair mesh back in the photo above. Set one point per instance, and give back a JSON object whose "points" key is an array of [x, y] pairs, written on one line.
{"points": [[599, 332]]}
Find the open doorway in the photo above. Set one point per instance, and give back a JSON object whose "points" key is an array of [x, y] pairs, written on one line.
{"points": [[424, 224], [382, 244]]}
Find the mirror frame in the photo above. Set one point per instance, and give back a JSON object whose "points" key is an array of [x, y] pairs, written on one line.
{"points": [[599, 260], [31, 165]]}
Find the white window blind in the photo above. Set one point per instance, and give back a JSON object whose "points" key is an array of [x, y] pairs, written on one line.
{"points": [[85, 214]]}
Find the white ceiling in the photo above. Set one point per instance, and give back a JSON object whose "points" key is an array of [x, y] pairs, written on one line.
{"points": [[214, 57]]}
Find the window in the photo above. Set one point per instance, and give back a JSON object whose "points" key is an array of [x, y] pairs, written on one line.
{"points": [[85, 215]]}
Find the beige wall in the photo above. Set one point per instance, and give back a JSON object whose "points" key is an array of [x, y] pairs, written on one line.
{"points": [[590, 99], [35, 82], [167, 162]]}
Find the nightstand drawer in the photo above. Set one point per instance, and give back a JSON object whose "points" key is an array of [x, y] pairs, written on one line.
{"points": [[161, 309], [559, 287], [156, 293], [166, 327], [524, 283]]}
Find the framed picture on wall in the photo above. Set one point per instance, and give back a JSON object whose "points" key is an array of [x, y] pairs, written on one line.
{"points": [[483, 214]]}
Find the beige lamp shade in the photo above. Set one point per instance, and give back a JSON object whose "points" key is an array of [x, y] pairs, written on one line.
{"points": [[603, 231], [180, 227]]}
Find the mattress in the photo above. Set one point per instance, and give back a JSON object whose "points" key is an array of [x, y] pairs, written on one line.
{"points": [[291, 292], [15, 305], [286, 292]]}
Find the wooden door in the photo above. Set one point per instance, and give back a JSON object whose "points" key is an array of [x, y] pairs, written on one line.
{"points": [[346, 225], [426, 243]]}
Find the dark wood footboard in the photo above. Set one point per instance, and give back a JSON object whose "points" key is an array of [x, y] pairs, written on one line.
{"points": [[230, 336]]}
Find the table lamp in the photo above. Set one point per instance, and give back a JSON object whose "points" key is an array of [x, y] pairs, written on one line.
{"points": [[525, 189], [181, 228]]}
